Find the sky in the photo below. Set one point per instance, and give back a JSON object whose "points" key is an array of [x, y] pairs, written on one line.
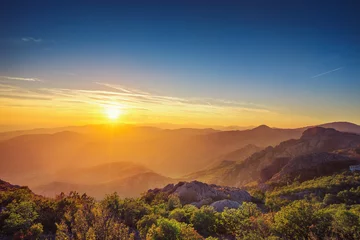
{"points": [[244, 63]]}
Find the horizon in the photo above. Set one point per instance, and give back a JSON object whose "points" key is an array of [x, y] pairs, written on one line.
{"points": [[167, 126], [286, 65]]}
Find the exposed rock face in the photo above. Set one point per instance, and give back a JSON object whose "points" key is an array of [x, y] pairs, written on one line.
{"points": [[308, 166], [198, 193], [219, 206], [262, 165]]}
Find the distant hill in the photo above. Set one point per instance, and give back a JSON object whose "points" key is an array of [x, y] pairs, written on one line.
{"points": [[130, 186], [99, 173], [343, 127], [222, 164], [241, 154]]}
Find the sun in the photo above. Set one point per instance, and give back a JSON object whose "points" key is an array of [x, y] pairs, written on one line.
{"points": [[113, 112]]}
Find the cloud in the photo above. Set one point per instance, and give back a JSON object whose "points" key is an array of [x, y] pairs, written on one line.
{"points": [[21, 79], [127, 98], [31, 39], [324, 73]]}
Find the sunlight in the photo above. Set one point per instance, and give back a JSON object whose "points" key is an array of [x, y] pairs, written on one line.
{"points": [[113, 112]]}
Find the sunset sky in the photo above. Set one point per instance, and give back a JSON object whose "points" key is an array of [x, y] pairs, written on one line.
{"points": [[245, 63]]}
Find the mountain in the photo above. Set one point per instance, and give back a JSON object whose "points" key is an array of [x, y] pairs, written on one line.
{"points": [[222, 164], [36, 153], [259, 136], [101, 173], [343, 127], [171, 152], [309, 166], [263, 165], [130, 186], [241, 154], [38, 159], [212, 174]]}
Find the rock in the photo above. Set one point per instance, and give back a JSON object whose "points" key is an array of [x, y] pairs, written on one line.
{"points": [[197, 191], [199, 194], [219, 206]]}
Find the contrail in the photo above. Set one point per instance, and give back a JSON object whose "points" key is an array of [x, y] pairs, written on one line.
{"points": [[327, 72]]}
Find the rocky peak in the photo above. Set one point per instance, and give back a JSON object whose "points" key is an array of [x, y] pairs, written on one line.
{"points": [[318, 131]]}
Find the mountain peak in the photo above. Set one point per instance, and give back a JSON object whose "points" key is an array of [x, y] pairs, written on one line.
{"points": [[262, 127], [315, 131]]}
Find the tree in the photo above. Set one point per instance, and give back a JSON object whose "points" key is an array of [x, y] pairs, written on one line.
{"points": [[18, 216]]}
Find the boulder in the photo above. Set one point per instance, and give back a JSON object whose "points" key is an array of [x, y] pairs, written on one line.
{"points": [[198, 193], [219, 206]]}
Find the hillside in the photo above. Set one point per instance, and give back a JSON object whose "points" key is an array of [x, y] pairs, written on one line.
{"points": [[261, 166]]}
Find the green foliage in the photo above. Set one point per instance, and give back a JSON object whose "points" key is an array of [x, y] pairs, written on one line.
{"points": [[145, 223], [246, 222], [171, 229], [174, 202], [205, 220], [294, 220], [18, 216]]}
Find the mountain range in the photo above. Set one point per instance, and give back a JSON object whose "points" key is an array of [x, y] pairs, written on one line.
{"points": [[131, 159]]}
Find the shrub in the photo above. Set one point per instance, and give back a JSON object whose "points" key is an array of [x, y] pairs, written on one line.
{"points": [[172, 230], [205, 220]]}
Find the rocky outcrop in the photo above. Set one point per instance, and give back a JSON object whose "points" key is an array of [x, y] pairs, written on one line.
{"points": [[219, 206], [198, 193]]}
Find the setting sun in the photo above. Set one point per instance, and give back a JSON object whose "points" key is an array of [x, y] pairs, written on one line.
{"points": [[113, 112]]}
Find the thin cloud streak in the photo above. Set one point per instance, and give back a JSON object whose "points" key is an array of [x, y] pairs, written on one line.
{"points": [[324, 73], [21, 79]]}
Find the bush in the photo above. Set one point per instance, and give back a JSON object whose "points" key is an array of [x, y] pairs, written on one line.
{"points": [[178, 214], [145, 223], [294, 220], [172, 230], [205, 220]]}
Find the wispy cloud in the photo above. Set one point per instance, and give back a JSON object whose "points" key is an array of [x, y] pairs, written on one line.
{"points": [[21, 79], [324, 73], [132, 100], [31, 39]]}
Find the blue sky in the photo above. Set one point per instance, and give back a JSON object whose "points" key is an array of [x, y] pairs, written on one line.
{"points": [[298, 58]]}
